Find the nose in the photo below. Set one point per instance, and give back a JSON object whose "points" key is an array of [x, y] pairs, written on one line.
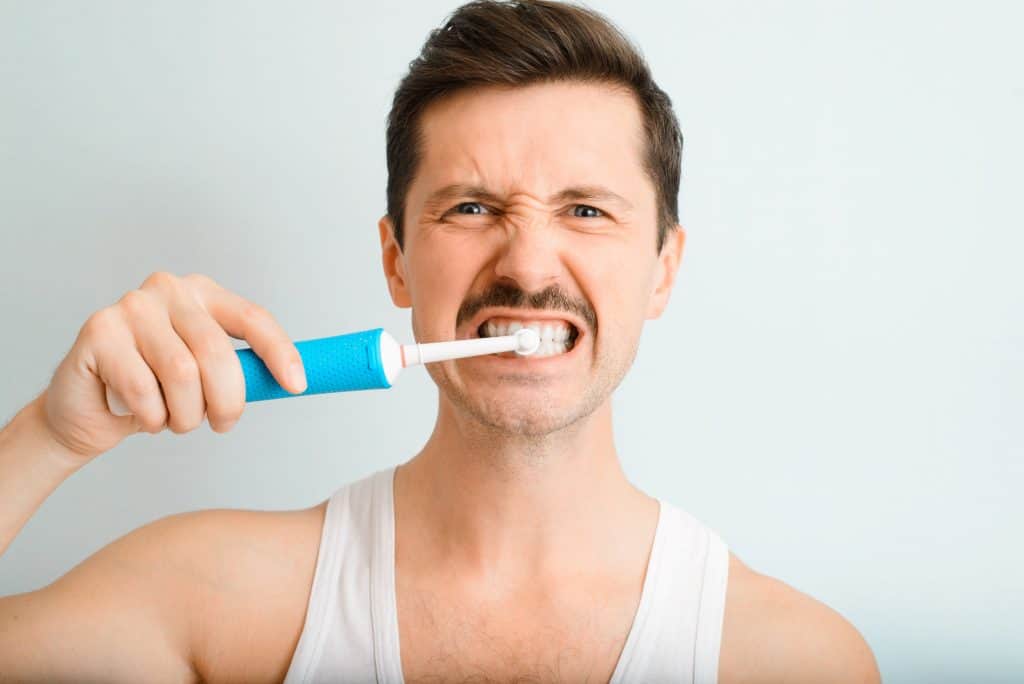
{"points": [[529, 256]]}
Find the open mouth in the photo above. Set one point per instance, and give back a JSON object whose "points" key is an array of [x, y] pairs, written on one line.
{"points": [[556, 336]]}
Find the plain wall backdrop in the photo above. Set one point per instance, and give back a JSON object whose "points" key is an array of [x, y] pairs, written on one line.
{"points": [[838, 382]]}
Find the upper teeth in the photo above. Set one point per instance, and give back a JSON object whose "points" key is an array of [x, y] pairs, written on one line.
{"points": [[555, 336], [558, 332]]}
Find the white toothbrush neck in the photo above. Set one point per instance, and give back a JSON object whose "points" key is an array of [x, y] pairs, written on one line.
{"points": [[430, 352]]}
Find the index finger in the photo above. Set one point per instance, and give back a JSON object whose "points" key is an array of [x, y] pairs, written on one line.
{"points": [[251, 322]]}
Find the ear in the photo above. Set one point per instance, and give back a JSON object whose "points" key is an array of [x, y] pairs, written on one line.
{"points": [[665, 271], [394, 263]]}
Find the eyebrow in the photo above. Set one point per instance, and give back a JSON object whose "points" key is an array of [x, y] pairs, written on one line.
{"points": [[590, 193]]}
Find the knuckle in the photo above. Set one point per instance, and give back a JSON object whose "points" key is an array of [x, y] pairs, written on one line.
{"points": [[181, 367], [100, 323], [217, 422], [153, 421], [176, 427], [160, 280], [220, 427], [135, 303], [137, 389], [222, 421], [211, 349], [152, 415], [180, 425], [254, 313], [199, 280], [225, 409]]}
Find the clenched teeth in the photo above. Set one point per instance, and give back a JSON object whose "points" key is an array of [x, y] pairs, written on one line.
{"points": [[556, 337]]}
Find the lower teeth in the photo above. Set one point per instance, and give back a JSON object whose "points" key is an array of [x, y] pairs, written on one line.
{"points": [[550, 349], [548, 346]]}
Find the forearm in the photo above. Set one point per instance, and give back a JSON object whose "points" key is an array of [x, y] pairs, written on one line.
{"points": [[32, 465]]}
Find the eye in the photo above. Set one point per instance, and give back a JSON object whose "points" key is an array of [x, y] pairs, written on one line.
{"points": [[586, 211], [472, 207]]}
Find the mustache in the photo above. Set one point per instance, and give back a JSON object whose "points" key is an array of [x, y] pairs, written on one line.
{"points": [[551, 298]]}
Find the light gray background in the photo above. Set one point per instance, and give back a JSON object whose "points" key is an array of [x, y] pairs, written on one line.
{"points": [[836, 387]]}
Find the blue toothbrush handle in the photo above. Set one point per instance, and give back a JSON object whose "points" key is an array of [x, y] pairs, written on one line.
{"points": [[341, 363]]}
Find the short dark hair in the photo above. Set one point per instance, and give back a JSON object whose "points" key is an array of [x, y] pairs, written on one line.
{"points": [[518, 43]]}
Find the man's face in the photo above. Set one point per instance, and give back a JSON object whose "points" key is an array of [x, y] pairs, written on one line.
{"points": [[531, 206]]}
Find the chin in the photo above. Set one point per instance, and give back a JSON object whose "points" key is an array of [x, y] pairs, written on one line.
{"points": [[535, 416], [525, 424]]}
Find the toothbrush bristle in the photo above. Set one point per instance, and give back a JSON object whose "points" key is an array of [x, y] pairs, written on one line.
{"points": [[529, 341]]}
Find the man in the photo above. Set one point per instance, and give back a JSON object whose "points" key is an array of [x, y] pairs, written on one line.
{"points": [[533, 168]]}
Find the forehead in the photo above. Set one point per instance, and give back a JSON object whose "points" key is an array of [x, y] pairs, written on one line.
{"points": [[536, 138]]}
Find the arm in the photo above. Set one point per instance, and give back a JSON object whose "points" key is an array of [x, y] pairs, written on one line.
{"points": [[134, 610], [32, 465], [116, 617], [204, 596], [105, 620]]}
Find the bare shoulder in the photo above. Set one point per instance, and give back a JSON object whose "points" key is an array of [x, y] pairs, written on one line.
{"points": [[252, 572], [771, 633], [204, 596]]}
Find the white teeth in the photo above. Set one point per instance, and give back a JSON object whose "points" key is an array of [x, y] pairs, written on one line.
{"points": [[554, 337], [550, 348]]}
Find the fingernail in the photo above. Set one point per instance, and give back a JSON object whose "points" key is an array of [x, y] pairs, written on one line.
{"points": [[297, 376]]}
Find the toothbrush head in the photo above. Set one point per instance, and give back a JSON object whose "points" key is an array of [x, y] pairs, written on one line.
{"points": [[528, 341]]}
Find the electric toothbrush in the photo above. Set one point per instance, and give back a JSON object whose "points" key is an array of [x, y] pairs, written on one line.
{"points": [[370, 359]]}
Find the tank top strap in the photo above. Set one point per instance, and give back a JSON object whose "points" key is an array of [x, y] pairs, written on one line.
{"points": [[383, 601], [679, 620], [712, 611], [337, 642]]}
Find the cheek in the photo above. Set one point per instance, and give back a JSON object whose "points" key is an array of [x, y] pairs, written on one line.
{"points": [[618, 278], [617, 282], [440, 281]]}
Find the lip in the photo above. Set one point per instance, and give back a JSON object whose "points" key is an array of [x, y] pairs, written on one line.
{"points": [[470, 332]]}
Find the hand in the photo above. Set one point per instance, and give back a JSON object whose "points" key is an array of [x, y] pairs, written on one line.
{"points": [[165, 352]]}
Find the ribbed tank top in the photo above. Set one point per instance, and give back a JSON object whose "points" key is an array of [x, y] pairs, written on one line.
{"points": [[350, 632]]}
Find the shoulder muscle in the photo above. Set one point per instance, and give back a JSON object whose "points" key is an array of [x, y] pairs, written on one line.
{"points": [[255, 583], [201, 596], [116, 616], [773, 633]]}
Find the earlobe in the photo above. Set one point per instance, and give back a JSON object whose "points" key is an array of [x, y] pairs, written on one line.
{"points": [[665, 271], [392, 261]]}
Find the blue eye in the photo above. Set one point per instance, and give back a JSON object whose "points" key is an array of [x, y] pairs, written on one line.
{"points": [[592, 212], [473, 205]]}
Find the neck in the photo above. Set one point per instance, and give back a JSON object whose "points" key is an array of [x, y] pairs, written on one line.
{"points": [[499, 505]]}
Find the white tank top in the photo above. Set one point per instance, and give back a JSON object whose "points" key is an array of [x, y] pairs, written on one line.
{"points": [[351, 628]]}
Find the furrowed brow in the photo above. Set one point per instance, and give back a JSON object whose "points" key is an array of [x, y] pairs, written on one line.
{"points": [[579, 193], [589, 193], [459, 191]]}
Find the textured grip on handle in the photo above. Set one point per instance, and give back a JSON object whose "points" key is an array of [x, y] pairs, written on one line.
{"points": [[341, 363]]}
